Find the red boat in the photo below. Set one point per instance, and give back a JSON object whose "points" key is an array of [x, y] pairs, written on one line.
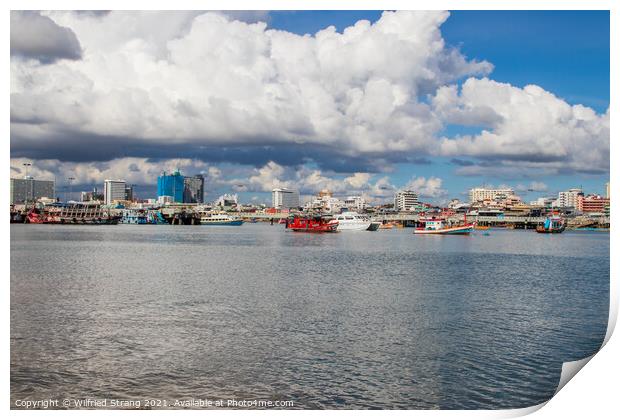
{"points": [[315, 224]]}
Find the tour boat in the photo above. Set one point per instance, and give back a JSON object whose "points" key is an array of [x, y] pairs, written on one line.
{"points": [[220, 219], [553, 224], [315, 224], [438, 227], [351, 220]]}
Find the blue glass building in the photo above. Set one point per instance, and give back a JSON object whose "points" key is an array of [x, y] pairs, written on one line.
{"points": [[171, 185]]}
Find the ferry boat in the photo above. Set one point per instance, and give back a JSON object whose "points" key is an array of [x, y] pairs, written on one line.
{"points": [[553, 224], [221, 219], [438, 227], [350, 220], [314, 224]]}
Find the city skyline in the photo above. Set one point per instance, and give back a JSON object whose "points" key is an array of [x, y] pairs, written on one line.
{"points": [[445, 114]]}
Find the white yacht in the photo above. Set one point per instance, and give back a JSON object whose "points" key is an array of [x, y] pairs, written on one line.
{"points": [[351, 220]]}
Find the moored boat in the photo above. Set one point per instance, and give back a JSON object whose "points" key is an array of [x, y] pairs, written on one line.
{"points": [[552, 224], [220, 219], [72, 213], [434, 226], [351, 220], [313, 224]]}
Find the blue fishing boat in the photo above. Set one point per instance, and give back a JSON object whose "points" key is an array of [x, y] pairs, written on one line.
{"points": [[552, 224]]}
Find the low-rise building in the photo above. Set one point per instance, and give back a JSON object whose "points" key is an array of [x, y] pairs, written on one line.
{"points": [[480, 194], [593, 204]]}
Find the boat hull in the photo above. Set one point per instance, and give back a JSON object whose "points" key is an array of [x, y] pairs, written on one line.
{"points": [[541, 229], [223, 223], [455, 230], [353, 226]]}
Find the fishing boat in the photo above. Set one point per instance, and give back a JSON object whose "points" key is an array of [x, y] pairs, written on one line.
{"points": [[552, 224], [220, 219], [142, 217], [314, 224], [434, 226], [350, 220]]}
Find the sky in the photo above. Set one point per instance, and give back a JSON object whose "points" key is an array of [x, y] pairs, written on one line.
{"points": [[358, 102]]}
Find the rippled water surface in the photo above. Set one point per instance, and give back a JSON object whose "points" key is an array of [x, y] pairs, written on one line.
{"points": [[379, 319]]}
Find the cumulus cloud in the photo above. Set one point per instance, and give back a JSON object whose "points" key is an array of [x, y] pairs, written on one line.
{"points": [[38, 37], [524, 128], [427, 187], [127, 92], [206, 80]]}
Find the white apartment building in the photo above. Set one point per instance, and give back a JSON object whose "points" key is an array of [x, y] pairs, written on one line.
{"points": [[405, 200], [355, 202], [569, 198], [284, 198], [113, 190], [482, 194]]}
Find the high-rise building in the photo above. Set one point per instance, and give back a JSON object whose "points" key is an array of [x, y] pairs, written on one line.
{"points": [[405, 200], [569, 198], [284, 198], [477, 195], [129, 192], [193, 189], [113, 190], [29, 190], [607, 190], [171, 185]]}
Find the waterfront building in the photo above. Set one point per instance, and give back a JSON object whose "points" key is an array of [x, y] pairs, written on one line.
{"points": [[569, 198], [607, 190], [113, 190], [93, 195], [543, 202], [405, 200], [29, 190], [171, 185], [479, 194], [593, 204], [193, 189], [165, 199], [128, 192], [227, 201], [325, 202], [284, 198], [355, 202]]}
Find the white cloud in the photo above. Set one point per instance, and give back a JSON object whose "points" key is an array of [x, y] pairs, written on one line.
{"points": [[527, 125], [188, 77], [427, 187]]}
